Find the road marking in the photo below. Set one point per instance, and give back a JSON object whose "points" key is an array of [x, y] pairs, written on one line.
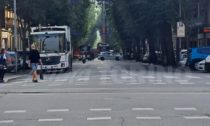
{"points": [[16, 111], [80, 84], [149, 77], [155, 80], [107, 75], [83, 79], [58, 110], [133, 83], [54, 85], [196, 117], [192, 77], [182, 80], [180, 109], [159, 83], [186, 83], [142, 109], [19, 82], [104, 109], [105, 78], [27, 85], [207, 83], [148, 118], [99, 118], [170, 77], [6, 121], [50, 120], [61, 80], [126, 77]]}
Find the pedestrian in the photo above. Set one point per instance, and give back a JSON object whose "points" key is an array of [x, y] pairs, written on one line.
{"points": [[33, 61], [3, 65]]}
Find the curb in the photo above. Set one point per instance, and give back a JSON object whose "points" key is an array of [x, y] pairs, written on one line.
{"points": [[13, 78]]}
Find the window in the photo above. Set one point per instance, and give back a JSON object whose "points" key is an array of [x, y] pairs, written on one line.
{"points": [[206, 51], [199, 51]]}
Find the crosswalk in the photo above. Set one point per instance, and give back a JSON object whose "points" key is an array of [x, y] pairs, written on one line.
{"points": [[182, 113]]}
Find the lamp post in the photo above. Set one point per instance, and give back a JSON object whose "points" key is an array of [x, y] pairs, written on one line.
{"points": [[15, 35]]}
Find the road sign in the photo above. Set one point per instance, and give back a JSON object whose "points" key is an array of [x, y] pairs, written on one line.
{"points": [[180, 29]]}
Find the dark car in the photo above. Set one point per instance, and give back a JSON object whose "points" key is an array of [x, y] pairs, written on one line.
{"points": [[10, 63], [20, 53], [18, 59]]}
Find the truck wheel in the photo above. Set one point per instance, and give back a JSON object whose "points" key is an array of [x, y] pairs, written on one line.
{"points": [[102, 58]]}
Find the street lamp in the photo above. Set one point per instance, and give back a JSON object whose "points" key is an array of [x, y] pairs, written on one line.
{"points": [[15, 35]]}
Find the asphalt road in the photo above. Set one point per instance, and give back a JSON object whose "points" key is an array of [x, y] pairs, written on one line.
{"points": [[109, 93]]}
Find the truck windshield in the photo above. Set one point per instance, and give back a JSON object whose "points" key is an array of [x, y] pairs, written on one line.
{"points": [[49, 43]]}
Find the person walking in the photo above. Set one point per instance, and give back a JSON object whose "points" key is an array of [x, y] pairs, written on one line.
{"points": [[33, 61], [3, 65]]}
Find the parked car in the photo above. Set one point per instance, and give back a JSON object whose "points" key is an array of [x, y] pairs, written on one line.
{"points": [[108, 56], [20, 53], [196, 55], [183, 62], [18, 59], [10, 63], [201, 65], [207, 64]]}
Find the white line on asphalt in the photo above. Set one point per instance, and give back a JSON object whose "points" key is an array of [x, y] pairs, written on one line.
{"points": [[80, 84], [192, 77], [61, 80], [27, 85], [99, 118], [16, 111], [31, 94], [20, 82], [142, 109], [147, 77], [133, 83], [126, 77], [148, 117], [207, 83], [182, 80], [170, 77], [105, 78], [196, 117], [186, 83], [155, 80], [58, 110], [54, 85], [107, 75], [102, 109], [83, 79], [185, 109], [50, 120], [159, 83], [6, 121]]}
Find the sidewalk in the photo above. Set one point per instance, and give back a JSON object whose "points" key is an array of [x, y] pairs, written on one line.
{"points": [[11, 76]]}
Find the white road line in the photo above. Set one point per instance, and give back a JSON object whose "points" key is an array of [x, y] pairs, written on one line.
{"points": [[27, 85], [133, 83], [50, 120], [54, 85], [170, 77], [6, 121], [207, 83], [105, 78], [187, 83], [181, 81], [196, 117], [148, 117], [99, 118], [58, 110], [148, 77], [61, 80], [192, 77], [142, 109], [102, 109], [155, 80], [19, 82], [15, 111], [107, 75], [185, 109], [83, 79], [159, 83], [126, 77]]}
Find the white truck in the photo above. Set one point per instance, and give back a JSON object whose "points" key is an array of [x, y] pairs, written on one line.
{"points": [[54, 45]]}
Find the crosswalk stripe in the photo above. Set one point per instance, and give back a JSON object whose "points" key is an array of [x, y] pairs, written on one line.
{"points": [[58, 110], [148, 77], [83, 79], [102, 109], [159, 83], [196, 117], [185, 108], [15, 111], [170, 77], [6, 121], [192, 77], [186, 83], [126, 77], [148, 117], [50, 120], [99, 118]]}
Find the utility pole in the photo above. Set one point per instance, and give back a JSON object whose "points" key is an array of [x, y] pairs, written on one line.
{"points": [[180, 39], [103, 21], [15, 35]]}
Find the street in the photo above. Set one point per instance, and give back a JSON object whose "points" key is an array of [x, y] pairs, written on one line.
{"points": [[108, 93]]}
